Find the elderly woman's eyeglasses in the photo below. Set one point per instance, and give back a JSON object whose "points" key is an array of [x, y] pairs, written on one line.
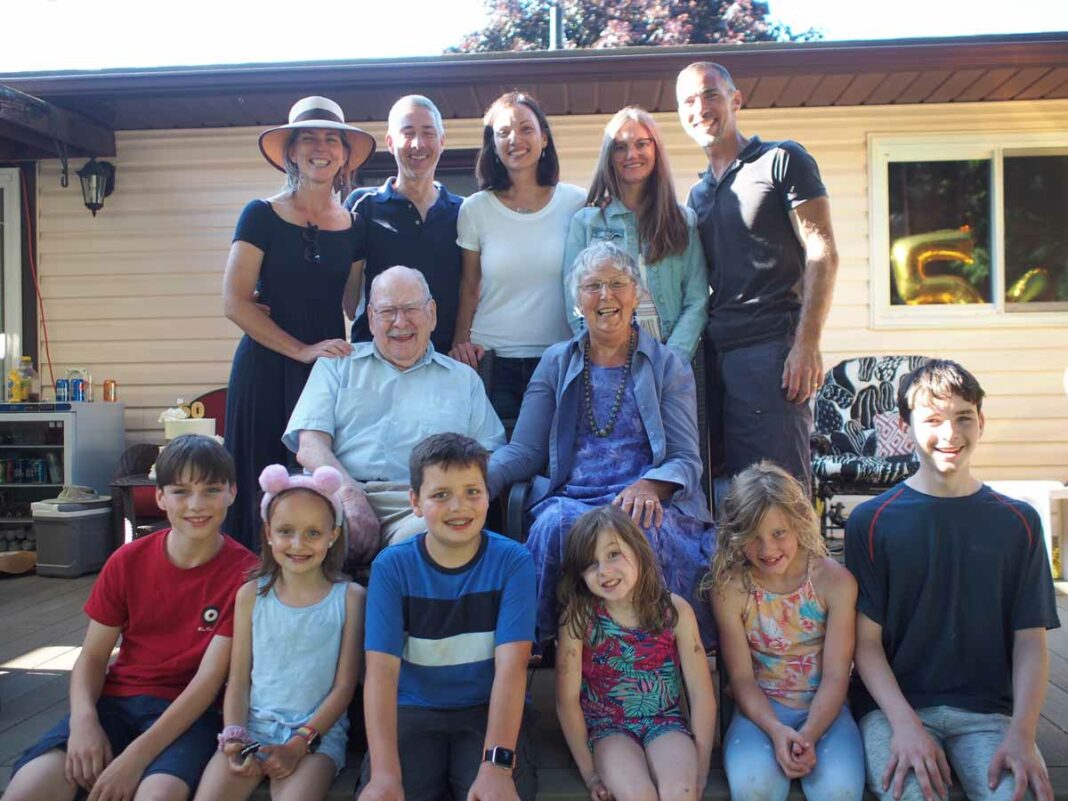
{"points": [[310, 235], [409, 310], [615, 286]]}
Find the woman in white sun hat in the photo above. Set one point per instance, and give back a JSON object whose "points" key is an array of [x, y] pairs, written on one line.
{"points": [[289, 270]]}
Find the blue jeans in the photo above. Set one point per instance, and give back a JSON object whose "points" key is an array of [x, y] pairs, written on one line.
{"points": [[754, 774], [509, 382]]}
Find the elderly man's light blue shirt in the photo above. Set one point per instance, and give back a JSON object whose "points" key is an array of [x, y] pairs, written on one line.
{"points": [[376, 413]]}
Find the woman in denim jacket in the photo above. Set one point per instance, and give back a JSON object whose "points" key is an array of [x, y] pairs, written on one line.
{"points": [[632, 204]]}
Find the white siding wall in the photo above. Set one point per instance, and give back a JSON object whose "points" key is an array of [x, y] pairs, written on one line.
{"points": [[135, 293]]}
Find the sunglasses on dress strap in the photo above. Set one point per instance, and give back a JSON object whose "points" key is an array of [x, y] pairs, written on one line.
{"points": [[310, 235]]}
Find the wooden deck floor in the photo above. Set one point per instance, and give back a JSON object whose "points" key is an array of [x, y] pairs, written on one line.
{"points": [[42, 625]]}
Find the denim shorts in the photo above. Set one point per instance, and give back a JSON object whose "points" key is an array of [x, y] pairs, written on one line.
{"points": [[124, 719]]}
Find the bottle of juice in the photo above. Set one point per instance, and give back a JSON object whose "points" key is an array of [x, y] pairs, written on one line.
{"points": [[31, 382], [13, 389]]}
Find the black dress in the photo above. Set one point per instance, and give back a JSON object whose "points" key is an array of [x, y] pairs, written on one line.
{"points": [[305, 301]]}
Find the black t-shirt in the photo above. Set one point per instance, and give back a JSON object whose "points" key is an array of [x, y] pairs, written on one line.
{"points": [[950, 580], [396, 234], [755, 259]]}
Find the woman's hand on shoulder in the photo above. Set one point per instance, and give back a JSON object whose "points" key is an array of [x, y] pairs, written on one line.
{"points": [[467, 352], [327, 348]]}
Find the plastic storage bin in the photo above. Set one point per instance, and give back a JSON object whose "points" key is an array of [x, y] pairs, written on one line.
{"points": [[72, 538]]}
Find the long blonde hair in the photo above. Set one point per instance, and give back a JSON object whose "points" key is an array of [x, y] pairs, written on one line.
{"points": [[754, 492], [661, 224]]}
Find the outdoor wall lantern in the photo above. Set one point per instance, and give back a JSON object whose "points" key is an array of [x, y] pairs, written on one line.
{"points": [[98, 181]]}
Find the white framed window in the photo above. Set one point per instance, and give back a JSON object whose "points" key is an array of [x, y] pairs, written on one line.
{"points": [[969, 228]]}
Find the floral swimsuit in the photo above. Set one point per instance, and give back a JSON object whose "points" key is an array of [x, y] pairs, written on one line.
{"points": [[630, 681]]}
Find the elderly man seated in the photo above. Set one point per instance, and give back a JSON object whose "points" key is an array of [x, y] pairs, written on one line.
{"points": [[363, 413]]}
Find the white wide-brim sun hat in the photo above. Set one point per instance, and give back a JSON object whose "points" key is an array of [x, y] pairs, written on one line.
{"points": [[317, 112]]}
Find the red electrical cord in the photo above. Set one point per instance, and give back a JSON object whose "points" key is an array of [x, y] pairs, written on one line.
{"points": [[33, 271]]}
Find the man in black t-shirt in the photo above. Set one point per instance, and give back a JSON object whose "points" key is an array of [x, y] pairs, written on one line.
{"points": [[765, 224], [955, 596]]}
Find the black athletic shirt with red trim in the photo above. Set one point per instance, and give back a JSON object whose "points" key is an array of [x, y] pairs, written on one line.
{"points": [[950, 580]]}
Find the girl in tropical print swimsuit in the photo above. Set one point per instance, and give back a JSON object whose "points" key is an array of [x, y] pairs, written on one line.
{"points": [[626, 648]]}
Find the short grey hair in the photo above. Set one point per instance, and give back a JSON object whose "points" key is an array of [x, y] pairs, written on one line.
{"points": [[399, 271], [600, 253], [415, 101]]}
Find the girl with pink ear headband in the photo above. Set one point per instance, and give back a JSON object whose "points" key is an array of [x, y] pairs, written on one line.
{"points": [[298, 626]]}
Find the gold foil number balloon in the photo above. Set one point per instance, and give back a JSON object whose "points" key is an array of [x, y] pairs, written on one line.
{"points": [[910, 255]]}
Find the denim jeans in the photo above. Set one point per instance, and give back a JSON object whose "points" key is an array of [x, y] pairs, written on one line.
{"points": [[754, 774]]}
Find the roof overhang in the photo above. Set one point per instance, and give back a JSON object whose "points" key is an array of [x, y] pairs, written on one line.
{"points": [[31, 129], [770, 75]]}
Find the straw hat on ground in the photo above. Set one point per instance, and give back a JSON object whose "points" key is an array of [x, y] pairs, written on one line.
{"points": [[317, 112]]}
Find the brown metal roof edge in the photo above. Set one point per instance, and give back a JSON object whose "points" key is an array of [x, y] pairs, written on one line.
{"points": [[754, 59]]}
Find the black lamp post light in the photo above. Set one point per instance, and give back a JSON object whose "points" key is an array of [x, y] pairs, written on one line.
{"points": [[98, 181]]}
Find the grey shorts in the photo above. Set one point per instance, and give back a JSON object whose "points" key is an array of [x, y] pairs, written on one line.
{"points": [[969, 739]]}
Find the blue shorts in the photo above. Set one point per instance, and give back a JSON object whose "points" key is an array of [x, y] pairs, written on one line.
{"points": [[125, 719]]}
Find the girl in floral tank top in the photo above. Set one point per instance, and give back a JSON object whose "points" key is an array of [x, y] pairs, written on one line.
{"points": [[785, 613], [626, 647]]}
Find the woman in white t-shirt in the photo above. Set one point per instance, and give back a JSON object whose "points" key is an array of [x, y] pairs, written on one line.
{"points": [[512, 236]]}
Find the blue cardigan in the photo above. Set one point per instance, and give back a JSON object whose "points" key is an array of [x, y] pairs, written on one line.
{"points": [[546, 430]]}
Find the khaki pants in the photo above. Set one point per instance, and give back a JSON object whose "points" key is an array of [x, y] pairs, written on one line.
{"points": [[392, 507]]}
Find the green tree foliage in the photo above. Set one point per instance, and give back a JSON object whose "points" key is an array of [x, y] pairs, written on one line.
{"points": [[524, 24]]}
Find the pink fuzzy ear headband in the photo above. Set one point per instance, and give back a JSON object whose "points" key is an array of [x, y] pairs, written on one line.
{"points": [[325, 480]]}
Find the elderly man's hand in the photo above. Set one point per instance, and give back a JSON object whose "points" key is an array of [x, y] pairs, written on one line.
{"points": [[363, 525]]}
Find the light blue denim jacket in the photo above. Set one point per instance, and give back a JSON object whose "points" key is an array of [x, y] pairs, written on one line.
{"points": [[678, 282], [546, 434]]}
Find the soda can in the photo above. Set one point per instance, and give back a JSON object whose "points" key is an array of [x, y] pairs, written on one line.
{"points": [[19, 471], [62, 390], [111, 390], [77, 389], [40, 471], [7, 471]]}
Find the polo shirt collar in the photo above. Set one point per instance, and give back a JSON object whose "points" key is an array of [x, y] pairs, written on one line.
{"points": [[756, 144]]}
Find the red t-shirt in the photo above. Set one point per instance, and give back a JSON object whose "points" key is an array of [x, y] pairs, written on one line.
{"points": [[167, 614]]}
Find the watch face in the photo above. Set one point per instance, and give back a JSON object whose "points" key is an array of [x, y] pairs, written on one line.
{"points": [[501, 757]]}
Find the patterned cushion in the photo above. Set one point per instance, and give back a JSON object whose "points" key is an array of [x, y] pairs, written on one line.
{"points": [[890, 440], [858, 398]]}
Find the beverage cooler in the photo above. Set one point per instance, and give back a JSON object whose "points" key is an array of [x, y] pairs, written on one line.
{"points": [[45, 446]]}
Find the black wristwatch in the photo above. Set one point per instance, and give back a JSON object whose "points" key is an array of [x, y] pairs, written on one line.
{"points": [[500, 756]]}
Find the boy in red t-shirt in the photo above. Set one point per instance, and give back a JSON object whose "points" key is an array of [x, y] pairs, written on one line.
{"points": [[145, 725]]}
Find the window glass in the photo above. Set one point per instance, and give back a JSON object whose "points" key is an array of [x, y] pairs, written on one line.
{"points": [[940, 241], [1036, 230]]}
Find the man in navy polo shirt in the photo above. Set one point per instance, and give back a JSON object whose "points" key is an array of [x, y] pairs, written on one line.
{"points": [[411, 219], [765, 223]]}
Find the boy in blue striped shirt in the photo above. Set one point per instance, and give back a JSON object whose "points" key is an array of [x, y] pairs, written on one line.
{"points": [[450, 623]]}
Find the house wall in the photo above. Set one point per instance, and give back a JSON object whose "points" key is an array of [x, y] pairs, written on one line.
{"points": [[134, 294]]}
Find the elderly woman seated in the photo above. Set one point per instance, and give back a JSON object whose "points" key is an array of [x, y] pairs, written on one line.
{"points": [[613, 414]]}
